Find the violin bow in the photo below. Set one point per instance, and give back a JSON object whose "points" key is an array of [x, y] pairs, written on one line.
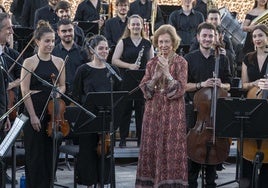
{"points": [[22, 52], [54, 84]]}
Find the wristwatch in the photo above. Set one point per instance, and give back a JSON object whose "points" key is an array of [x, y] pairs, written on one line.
{"points": [[198, 85]]}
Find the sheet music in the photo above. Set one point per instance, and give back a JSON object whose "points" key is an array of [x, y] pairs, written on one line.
{"points": [[12, 134]]}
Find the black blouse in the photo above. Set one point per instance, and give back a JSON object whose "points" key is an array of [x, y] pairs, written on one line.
{"points": [[131, 52], [90, 79], [253, 69]]}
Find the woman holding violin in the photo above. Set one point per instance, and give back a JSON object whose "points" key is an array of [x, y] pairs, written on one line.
{"points": [[92, 77], [38, 145], [202, 83], [254, 78]]}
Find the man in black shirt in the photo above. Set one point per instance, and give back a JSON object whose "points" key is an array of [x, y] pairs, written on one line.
{"points": [[214, 17], [67, 47], [115, 27], [46, 13], [201, 65], [144, 9], [63, 11], [91, 11], [28, 11], [201, 6], [186, 21]]}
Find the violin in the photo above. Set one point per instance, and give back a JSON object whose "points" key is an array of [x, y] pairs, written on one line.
{"points": [[57, 109], [107, 144], [11, 103]]}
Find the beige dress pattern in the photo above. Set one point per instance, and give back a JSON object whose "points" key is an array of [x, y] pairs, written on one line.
{"points": [[163, 153]]}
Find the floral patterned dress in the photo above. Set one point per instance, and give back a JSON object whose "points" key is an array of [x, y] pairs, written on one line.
{"points": [[163, 152]]}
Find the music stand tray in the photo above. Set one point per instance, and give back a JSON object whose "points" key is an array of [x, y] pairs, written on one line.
{"points": [[22, 33], [100, 104], [253, 112], [91, 28], [131, 81], [241, 118]]}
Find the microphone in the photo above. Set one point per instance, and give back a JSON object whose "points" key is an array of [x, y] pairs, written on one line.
{"points": [[108, 66], [1, 49]]}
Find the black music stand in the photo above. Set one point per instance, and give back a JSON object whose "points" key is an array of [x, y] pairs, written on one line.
{"points": [[241, 118], [131, 83], [89, 28], [22, 36], [101, 105]]}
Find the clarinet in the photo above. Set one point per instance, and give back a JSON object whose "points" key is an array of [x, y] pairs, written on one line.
{"points": [[138, 60]]}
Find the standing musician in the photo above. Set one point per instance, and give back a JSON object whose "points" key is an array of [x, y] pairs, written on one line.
{"points": [[201, 65], [259, 7], [63, 11], [68, 47], [47, 13], [38, 146], [92, 77], [115, 27], [254, 69], [5, 124], [92, 11], [186, 21], [145, 8], [132, 47], [12, 70]]}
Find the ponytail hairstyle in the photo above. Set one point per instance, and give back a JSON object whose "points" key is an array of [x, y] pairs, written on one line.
{"points": [[42, 28]]}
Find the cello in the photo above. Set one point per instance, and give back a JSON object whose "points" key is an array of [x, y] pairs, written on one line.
{"points": [[202, 145], [252, 146]]}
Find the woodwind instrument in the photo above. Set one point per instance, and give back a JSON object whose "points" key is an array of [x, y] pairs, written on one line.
{"points": [[138, 60]]}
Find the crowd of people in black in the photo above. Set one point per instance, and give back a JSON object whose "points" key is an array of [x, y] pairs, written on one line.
{"points": [[182, 55]]}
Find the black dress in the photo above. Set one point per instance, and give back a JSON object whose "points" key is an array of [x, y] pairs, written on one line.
{"points": [[129, 55], [254, 74], [89, 79], [38, 146]]}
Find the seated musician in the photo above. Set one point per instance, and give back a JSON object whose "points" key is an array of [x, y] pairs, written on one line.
{"points": [[201, 65], [254, 69]]}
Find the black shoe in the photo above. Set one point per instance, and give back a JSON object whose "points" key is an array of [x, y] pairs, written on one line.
{"points": [[122, 143]]}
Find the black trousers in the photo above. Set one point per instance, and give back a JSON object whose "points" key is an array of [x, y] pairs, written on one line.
{"points": [[193, 173], [126, 111], [248, 173]]}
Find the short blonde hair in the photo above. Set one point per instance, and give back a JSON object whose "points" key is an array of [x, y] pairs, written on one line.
{"points": [[169, 29]]}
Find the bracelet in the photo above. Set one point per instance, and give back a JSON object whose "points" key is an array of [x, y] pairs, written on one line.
{"points": [[198, 86], [170, 78]]}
